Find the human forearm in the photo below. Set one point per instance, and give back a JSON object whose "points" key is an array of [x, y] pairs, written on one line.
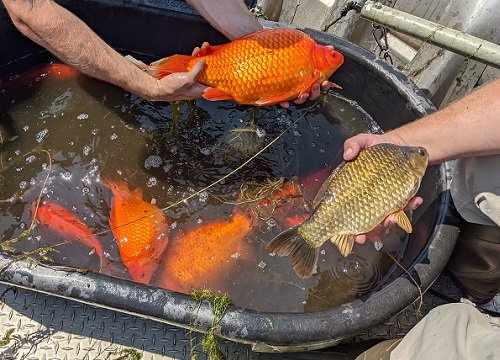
{"points": [[468, 127], [73, 42], [230, 17]]}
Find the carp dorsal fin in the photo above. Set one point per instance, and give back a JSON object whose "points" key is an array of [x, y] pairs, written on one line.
{"points": [[343, 242], [403, 221], [324, 187]]}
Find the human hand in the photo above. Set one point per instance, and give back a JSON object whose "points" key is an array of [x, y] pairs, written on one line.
{"points": [[173, 87], [352, 147]]}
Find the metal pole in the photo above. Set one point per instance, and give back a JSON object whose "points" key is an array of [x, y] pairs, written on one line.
{"points": [[439, 35]]}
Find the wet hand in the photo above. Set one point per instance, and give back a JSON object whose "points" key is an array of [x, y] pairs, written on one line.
{"points": [[352, 147], [181, 86]]}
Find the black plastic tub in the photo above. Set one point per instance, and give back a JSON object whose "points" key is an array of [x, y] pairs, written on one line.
{"points": [[158, 28]]}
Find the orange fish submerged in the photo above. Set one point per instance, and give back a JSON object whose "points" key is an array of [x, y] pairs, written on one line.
{"points": [[205, 255], [262, 68], [63, 221], [140, 229]]}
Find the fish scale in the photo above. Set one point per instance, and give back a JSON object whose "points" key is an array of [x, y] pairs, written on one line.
{"points": [[357, 197]]}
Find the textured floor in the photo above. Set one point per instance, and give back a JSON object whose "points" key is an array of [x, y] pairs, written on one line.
{"points": [[47, 327]]}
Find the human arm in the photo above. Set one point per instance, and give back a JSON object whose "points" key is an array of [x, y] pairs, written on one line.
{"points": [[230, 17], [468, 127], [73, 42]]}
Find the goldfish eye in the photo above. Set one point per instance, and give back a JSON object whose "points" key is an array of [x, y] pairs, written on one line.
{"points": [[421, 152]]}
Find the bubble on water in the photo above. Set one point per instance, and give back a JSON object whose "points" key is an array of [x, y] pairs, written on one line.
{"points": [[322, 151], [38, 237], [30, 159], [151, 182], [235, 255], [199, 221], [322, 252], [23, 185], [262, 265], [66, 175], [85, 190], [173, 225], [26, 128], [41, 135], [113, 136], [17, 152], [22, 226], [152, 161], [32, 181], [206, 151], [153, 201], [19, 169], [83, 117], [297, 133], [86, 150], [71, 143], [95, 131], [313, 144], [45, 167], [270, 223], [378, 245], [260, 132], [203, 196], [73, 207]]}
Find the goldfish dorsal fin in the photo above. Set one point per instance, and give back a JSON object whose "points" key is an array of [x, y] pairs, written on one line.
{"points": [[403, 221], [214, 94], [169, 65], [344, 242]]}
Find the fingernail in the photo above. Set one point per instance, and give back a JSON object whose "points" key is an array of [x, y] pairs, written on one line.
{"points": [[348, 152]]}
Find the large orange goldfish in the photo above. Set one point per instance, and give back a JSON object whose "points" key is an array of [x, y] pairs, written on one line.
{"points": [[63, 221], [262, 68], [205, 255], [140, 229]]}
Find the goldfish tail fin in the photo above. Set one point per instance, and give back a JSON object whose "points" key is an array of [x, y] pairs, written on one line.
{"points": [[304, 257], [169, 65]]}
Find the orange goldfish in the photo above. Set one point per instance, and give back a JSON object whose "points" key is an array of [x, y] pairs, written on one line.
{"points": [[140, 229], [63, 221], [262, 68], [205, 255]]}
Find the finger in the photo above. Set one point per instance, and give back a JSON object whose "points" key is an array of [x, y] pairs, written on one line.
{"points": [[195, 52], [414, 203], [315, 91], [361, 239], [352, 146], [301, 99], [195, 72], [325, 86], [205, 44], [285, 104]]}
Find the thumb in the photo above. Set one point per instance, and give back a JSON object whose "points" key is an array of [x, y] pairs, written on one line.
{"points": [[354, 145], [195, 72]]}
